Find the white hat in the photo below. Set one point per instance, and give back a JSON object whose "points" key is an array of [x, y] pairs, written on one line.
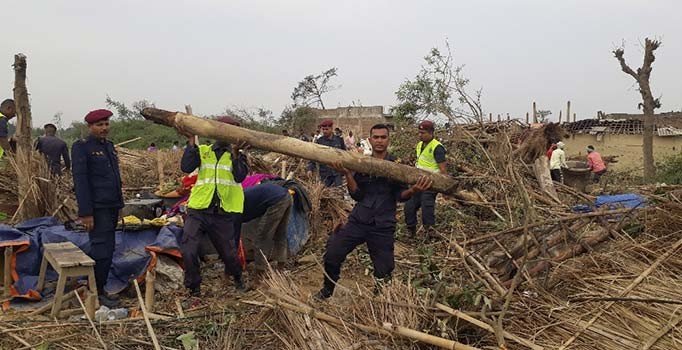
{"points": [[560, 144]]}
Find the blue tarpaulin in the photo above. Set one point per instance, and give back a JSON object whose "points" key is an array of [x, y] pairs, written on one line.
{"points": [[133, 253]]}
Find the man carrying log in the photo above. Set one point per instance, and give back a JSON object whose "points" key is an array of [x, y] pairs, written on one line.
{"points": [[97, 181], [216, 198], [329, 176], [7, 112], [372, 220], [430, 157]]}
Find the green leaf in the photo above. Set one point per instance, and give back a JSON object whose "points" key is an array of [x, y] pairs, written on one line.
{"points": [[189, 341]]}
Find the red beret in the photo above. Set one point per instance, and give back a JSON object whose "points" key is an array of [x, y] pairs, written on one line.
{"points": [[97, 115], [327, 122], [228, 120], [426, 125]]}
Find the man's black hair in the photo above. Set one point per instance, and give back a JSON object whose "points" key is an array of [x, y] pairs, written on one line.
{"points": [[380, 126]]}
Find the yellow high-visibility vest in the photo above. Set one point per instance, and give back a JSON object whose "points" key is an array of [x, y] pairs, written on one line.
{"points": [[215, 175], [425, 157]]}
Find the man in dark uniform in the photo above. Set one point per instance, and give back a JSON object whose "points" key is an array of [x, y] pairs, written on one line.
{"points": [[329, 176], [430, 157], [97, 181], [216, 198], [54, 150], [372, 220], [7, 112]]}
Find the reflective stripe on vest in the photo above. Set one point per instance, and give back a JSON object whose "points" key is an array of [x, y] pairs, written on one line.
{"points": [[216, 174], [425, 158]]}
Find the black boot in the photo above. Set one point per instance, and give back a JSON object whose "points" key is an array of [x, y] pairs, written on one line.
{"points": [[326, 292], [412, 230], [380, 283], [239, 284]]}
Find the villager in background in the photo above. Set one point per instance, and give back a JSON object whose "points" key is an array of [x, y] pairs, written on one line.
{"points": [[430, 157], [54, 149], [329, 176], [372, 220], [285, 132], [7, 112], [558, 162], [97, 181], [338, 132], [215, 200], [595, 163], [350, 141], [176, 146], [550, 150], [152, 147], [272, 205], [302, 136]]}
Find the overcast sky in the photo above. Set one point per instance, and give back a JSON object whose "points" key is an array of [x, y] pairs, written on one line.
{"points": [[215, 54]]}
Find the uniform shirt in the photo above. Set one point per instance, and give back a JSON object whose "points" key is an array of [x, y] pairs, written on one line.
{"points": [[595, 162], [54, 150], [4, 128], [257, 200], [377, 199], [191, 160], [96, 176], [558, 160], [438, 152], [335, 142]]}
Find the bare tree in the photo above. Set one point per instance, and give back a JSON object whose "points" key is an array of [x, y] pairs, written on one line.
{"points": [[310, 90], [441, 88], [649, 104]]}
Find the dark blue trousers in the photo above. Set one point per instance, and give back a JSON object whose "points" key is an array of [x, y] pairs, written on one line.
{"points": [[220, 230], [341, 243], [103, 242], [427, 202]]}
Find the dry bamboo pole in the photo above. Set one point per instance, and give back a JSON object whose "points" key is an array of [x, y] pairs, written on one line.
{"points": [[627, 290], [489, 278], [568, 111], [92, 324], [487, 327], [150, 329], [535, 113], [663, 331], [427, 338], [191, 125], [7, 271], [150, 279]]}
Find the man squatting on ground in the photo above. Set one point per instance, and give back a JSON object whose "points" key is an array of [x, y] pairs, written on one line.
{"points": [[272, 204], [372, 220], [216, 198], [97, 181], [430, 157]]}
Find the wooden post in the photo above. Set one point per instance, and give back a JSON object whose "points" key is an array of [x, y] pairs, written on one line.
{"points": [[297, 148], [23, 136], [284, 169], [568, 111], [527, 121], [574, 117], [508, 119], [535, 113], [559, 117], [491, 117], [23, 106], [149, 299]]}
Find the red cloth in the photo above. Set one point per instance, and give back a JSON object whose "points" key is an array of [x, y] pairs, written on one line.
{"points": [[97, 115], [595, 162]]}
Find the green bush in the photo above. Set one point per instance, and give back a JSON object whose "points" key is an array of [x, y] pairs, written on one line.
{"points": [[669, 170]]}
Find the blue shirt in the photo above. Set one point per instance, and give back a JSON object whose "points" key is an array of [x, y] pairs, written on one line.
{"points": [[4, 129], [96, 175], [259, 198], [54, 150]]}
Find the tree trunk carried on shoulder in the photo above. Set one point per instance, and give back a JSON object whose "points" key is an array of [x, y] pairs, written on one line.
{"points": [[188, 124]]}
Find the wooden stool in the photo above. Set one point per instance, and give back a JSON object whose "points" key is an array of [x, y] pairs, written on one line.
{"points": [[6, 270], [69, 261]]}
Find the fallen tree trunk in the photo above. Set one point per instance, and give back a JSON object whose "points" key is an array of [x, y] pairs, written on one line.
{"points": [[189, 124]]}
